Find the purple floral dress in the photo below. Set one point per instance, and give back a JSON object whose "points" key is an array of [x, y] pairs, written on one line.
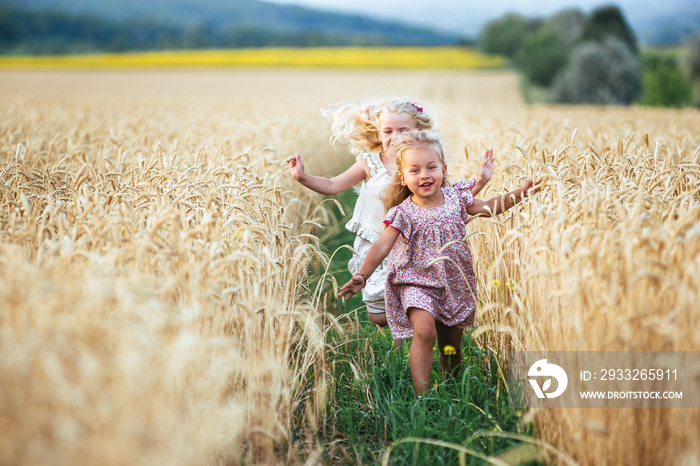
{"points": [[430, 265]]}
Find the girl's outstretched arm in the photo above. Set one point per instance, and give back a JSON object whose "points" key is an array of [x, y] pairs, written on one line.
{"points": [[376, 254], [485, 172], [499, 204], [335, 185]]}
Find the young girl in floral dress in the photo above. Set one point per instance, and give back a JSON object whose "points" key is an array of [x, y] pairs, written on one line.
{"points": [[431, 286]]}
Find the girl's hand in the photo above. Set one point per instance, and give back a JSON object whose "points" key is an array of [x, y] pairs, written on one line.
{"points": [[485, 172], [355, 284], [530, 188], [486, 167], [296, 166]]}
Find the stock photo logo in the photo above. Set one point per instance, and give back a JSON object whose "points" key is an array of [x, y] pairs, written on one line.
{"points": [[542, 369]]}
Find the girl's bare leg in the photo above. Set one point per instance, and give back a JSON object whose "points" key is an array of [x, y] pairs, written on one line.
{"points": [[420, 356], [378, 319], [452, 336]]}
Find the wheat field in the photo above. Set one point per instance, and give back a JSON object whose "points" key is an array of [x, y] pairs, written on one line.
{"points": [[156, 305]]}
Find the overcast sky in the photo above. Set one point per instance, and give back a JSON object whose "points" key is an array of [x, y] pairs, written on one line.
{"points": [[467, 17]]}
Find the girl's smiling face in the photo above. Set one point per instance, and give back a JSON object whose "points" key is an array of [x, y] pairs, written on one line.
{"points": [[422, 172], [391, 124]]}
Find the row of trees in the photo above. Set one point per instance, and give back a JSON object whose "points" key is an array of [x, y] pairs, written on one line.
{"points": [[573, 57], [55, 33], [239, 24]]}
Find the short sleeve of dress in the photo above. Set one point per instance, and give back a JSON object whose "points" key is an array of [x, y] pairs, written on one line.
{"points": [[398, 218], [464, 190], [373, 161]]}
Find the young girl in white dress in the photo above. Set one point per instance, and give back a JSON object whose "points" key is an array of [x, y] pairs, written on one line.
{"points": [[369, 129]]}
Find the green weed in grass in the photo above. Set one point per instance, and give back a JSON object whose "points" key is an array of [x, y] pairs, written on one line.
{"points": [[373, 405]]}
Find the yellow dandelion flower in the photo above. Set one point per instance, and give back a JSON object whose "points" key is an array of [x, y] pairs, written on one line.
{"points": [[510, 284], [497, 283], [449, 349]]}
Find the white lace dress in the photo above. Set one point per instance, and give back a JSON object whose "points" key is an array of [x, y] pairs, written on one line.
{"points": [[367, 223]]}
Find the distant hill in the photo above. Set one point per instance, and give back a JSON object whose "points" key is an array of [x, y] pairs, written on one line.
{"points": [[62, 26], [672, 27]]}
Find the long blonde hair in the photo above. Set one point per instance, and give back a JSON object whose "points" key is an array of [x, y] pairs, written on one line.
{"points": [[396, 192], [358, 125]]}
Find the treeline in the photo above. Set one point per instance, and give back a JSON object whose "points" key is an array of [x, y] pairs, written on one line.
{"points": [[28, 31], [573, 57]]}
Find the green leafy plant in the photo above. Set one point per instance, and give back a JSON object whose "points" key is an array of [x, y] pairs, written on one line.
{"points": [[664, 82]]}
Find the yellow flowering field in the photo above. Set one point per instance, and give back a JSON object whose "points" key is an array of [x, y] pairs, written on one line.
{"points": [[350, 57]]}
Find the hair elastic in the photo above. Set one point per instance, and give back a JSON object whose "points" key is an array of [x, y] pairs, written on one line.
{"points": [[418, 107]]}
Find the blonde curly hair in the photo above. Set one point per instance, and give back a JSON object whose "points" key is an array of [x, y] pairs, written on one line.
{"points": [[358, 125]]}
